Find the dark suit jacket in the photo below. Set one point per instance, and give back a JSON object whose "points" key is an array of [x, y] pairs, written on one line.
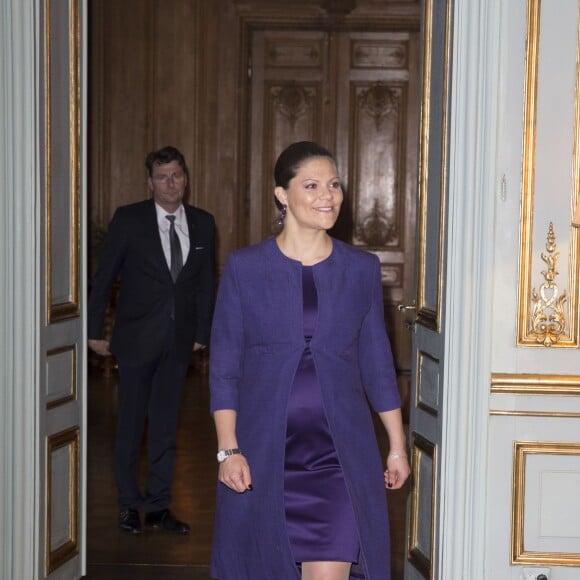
{"points": [[132, 251]]}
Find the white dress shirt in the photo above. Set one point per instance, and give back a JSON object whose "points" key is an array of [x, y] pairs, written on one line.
{"points": [[180, 227]]}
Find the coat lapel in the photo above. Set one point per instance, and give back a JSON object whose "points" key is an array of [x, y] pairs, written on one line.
{"points": [[191, 230]]}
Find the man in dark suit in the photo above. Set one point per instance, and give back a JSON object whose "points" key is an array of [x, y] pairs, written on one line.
{"points": [[163, 252]]}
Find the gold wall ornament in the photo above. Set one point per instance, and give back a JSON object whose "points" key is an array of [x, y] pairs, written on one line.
{"points": [[532, 139], [548, 319]]}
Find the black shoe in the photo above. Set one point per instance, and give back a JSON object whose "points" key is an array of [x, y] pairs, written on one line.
{"points": [[164, 520], [129, 521]]}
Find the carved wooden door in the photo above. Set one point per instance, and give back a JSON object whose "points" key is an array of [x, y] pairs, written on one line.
{"points": [[357, 94]]}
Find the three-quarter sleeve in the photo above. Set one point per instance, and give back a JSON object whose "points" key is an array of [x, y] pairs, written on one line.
{"points": [[227, 343], [375, 355]]}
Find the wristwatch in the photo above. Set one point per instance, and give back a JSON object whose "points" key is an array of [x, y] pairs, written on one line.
{"points": [[223, 454]]}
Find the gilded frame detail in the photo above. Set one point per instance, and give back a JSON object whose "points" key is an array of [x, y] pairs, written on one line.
{"points": [[532, 384], [424, 563], [519, 555], [429, 315], [69, 308], [525, 337], [68, 438]]}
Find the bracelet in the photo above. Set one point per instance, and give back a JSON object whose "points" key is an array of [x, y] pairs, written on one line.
{"points": [[396, 455]]}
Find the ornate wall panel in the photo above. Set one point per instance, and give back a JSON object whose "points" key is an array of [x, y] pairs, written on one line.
{"points": [[293, 113], [288, 104], [544, 528], [376, 95], [61, 129], [433, 160], [378, 131], [550, 179], [381, 55], [545, 509]]}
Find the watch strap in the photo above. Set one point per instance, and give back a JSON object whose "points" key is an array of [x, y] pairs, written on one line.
{"points": [[223, 454]]}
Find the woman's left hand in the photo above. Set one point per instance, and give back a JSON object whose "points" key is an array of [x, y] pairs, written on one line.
{"points": [[397, 471], [235, 473]]}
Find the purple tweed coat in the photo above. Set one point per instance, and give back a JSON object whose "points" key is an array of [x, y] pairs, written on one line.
{"points": [[256, 344]]}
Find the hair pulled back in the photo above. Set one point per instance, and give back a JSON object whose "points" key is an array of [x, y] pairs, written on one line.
{"points": [[293, 157]]}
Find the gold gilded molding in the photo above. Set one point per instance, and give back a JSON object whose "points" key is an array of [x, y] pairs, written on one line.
{"points": [[547, 318], [533, 384], [519, 555], [527, 335], [429, 314], [69, 308], [543, 414], [70, 548], [424, 563]]}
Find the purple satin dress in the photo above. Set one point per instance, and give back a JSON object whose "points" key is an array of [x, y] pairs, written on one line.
{"points": [[319, 515]]}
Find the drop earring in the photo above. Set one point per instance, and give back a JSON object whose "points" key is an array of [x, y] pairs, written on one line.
{"points": [[282, 214]]}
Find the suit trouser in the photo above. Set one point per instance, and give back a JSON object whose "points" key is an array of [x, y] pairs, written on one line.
{"points": [[148, 390]]}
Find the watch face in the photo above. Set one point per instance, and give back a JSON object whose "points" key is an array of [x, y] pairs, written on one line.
{"points": [[223, 454]]}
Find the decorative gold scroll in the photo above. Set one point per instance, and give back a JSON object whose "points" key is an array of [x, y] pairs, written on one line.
{"points": [[69, 307], [547, 318], [525, 335]]}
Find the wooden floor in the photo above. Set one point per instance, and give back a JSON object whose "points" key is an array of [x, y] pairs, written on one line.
{"points": [[113, 555]]}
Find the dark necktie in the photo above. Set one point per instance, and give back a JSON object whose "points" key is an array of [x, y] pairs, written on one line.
{"points": [[176, 255]]}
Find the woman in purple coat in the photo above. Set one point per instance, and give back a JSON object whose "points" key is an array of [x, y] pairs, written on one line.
{"points": [[299, 357]]}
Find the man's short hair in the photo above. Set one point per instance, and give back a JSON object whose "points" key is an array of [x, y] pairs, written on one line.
{"points": [[162, 157]]}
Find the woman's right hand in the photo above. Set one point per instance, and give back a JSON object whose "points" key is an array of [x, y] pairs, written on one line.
{"points": [[235, 473]]}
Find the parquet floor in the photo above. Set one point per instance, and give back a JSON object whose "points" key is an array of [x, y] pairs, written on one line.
{"points": [[113, 555]]}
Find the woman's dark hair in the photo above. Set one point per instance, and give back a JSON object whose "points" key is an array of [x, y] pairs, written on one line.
{"points": [[293, 157], [163, 156]]}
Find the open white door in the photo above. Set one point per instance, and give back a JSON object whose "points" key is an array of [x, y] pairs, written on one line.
{"points": [[61, 432], [425, 422]]}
